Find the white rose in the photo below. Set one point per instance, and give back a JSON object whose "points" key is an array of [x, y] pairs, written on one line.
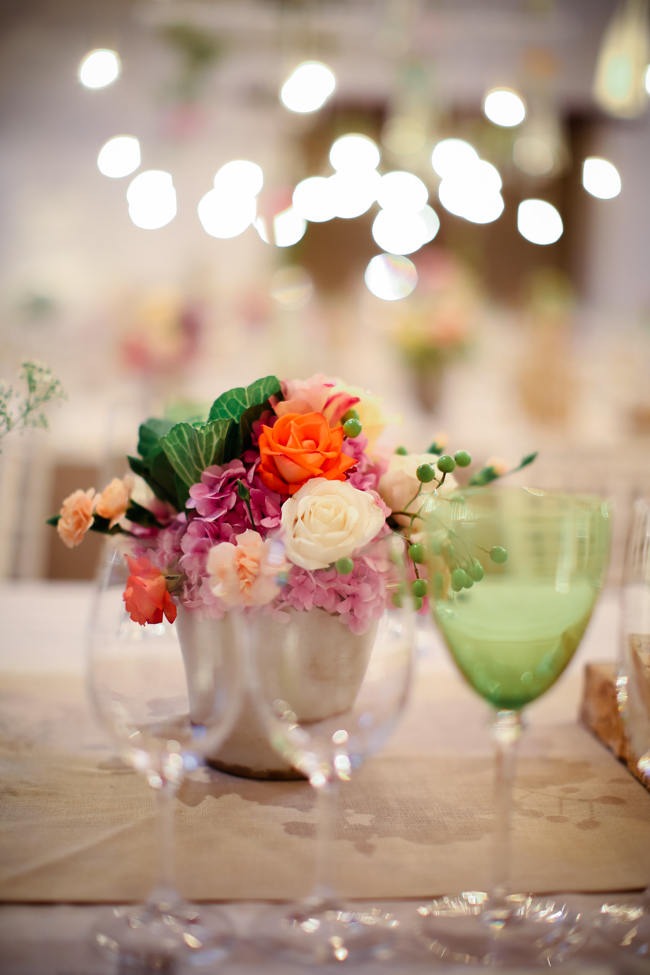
{"points": [[399, 485], [328, 520]]}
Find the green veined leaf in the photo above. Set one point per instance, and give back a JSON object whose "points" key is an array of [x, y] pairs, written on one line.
{"points": [[190, 449], [150, 434], [242, 406]]}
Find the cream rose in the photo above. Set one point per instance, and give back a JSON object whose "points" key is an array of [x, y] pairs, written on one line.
{"points": [[399, 486], [328, 520]]}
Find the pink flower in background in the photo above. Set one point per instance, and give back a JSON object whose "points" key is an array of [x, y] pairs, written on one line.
{"points": [[315, 395], [76, 517], [245, 574]]}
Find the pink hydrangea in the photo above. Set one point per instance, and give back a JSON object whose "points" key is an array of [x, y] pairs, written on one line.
{"points": [[216, 499], [358, 598], [367, 472]]}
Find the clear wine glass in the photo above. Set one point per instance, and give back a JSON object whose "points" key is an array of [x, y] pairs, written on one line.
{"points": [[137, 688], [516, 580], [329, 696], [623, 924]]}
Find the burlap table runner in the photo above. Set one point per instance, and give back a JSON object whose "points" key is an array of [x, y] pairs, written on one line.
{"points": [[77, 825]]}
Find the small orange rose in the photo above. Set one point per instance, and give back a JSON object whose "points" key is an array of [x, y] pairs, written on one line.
{"points": [[114, 499], [145, 596], [298, 447], [76, 517]]}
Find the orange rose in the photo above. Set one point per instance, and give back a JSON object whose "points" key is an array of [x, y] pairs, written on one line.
{"points": [[76, 517], [300, 446], [145, 596]]}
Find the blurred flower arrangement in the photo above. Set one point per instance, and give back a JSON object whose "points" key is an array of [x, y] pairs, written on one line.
{"points": [[160, 336], [438, 322], [274, 500], [20, 409]]}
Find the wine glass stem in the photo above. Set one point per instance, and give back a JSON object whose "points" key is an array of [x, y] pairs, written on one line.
{"points": [[326, 807], [164, 895], [507, 730]]}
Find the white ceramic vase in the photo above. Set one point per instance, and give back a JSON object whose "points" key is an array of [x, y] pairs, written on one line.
{"points": [[329, 662]]}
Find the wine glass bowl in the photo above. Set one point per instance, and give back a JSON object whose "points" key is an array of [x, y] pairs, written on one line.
{"points": [[137, 688], [329, 690], [515, 574]]}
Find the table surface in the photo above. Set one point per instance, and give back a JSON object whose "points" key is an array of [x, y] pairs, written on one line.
{"points": [[43, 632]]}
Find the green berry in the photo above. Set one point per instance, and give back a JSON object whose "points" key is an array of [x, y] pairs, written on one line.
{"points": [[425, 473], [344, 566], [498, 554], [352, 428], [419, 587], [417, 603], [435, 448], [350, 415], [402, 451], [459, 579], [416, 552], [476, 570], [446, 464], [462, 458]]}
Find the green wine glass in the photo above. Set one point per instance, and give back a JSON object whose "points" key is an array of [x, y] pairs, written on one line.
{"points": [[514, 577]]}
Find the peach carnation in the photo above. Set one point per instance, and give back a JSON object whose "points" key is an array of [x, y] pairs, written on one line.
{"points": [[114, 499], [76, 517], [246, 573]]}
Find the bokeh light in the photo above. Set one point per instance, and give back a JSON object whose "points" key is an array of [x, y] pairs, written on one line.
{"points": [[224, 214], [314, 200], [99, 68], [401, 232], [473, 191], [533, 155], [308, 87], [601, 178], [291, 287], [353, 151], [353, 192], [288, 227], [390, 277], [539, 222], [118, 157], [450, 156], [504, 107], [403, 191], [152, 199], [240, 176]]}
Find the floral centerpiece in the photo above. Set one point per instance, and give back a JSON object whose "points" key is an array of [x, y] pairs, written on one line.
{"points": [[436, 324], [207, 503]]}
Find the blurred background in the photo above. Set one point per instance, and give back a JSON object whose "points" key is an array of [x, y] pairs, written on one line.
{"points": [[443, 201]]}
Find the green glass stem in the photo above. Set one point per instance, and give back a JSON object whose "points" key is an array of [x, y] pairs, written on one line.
{"points": [[507, 729]]}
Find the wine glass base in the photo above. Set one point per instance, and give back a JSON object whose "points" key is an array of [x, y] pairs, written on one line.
{"points": [[155, 939], [530, 931], [627, 926], [326, 932]]}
